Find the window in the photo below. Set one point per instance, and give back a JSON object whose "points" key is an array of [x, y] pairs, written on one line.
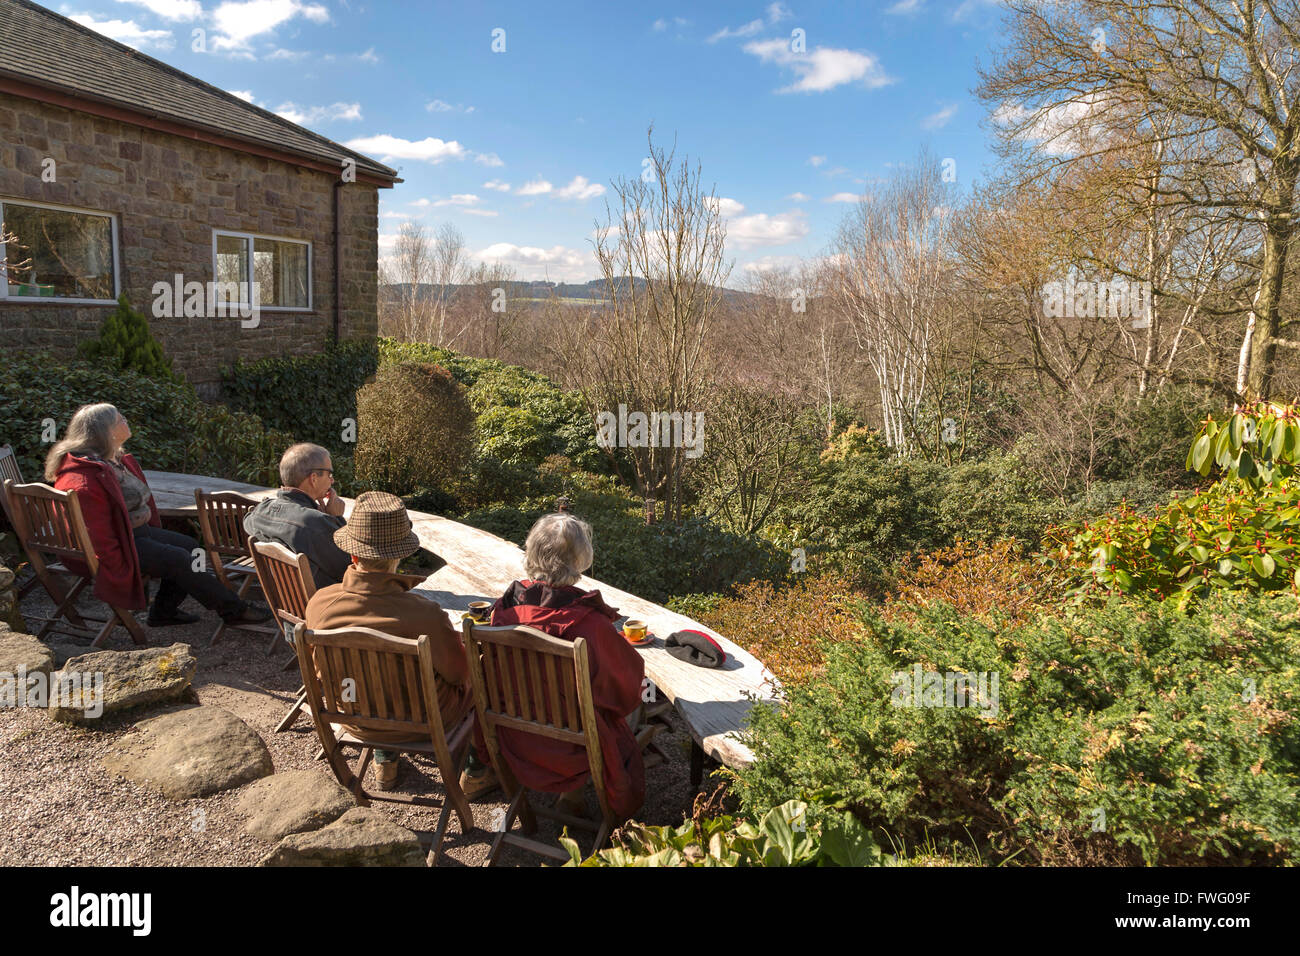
{"points": [[53, 252], [281, 268]]}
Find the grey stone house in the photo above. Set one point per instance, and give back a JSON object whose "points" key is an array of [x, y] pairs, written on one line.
{"points": [[120, 174]]}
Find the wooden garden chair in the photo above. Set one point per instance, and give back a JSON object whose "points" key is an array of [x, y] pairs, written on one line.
{"points": [[48, 521], [288, 585], [221, 525], [9, 471], [390, 687], [526, 680]]}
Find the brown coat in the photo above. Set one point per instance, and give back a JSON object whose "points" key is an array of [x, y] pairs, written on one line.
{"points": [[385, 602]]}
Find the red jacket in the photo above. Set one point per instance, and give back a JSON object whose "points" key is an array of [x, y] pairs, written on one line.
{"points": [[104, 508], [616, 674]]}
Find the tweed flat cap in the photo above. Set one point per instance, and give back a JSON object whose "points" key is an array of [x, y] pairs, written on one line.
{"points": [[379, 529]]}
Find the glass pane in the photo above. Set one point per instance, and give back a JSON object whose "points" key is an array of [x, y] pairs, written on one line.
{"points": [[63, 255], [232, 259], [280, 270]]}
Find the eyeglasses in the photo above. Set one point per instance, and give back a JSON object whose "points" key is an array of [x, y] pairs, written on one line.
{"points": [[328, 471]]}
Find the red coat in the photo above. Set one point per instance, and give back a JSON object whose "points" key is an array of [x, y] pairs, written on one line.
{"points": [[104, 508], [616, 674]]}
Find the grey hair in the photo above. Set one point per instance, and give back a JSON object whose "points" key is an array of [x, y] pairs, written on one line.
{"points": [[90, 431], [299, 461], [558, 550]]}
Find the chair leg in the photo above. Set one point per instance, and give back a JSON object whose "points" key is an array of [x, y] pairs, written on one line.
{"points": [[64, 607], [505, 827], [602, 835], [358, 790], [290, 717], [443, 819], [132, 625]]}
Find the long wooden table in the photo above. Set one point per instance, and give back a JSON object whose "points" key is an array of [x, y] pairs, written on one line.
{"points": [[714, 702]]}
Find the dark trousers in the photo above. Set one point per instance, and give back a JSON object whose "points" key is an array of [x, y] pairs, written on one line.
{"points": [[169, 556]]}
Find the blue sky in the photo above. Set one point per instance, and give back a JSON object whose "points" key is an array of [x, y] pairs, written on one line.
{"points": [[518, 148]]}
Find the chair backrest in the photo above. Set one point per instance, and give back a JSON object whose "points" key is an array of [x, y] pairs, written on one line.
{"points": [[48, 521], [8, 472], [221, 522], [527, 680], [370, 680], [286, 580]]}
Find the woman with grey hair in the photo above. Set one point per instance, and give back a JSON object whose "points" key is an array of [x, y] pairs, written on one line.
{"points": [[125, 529], [557, 553]]}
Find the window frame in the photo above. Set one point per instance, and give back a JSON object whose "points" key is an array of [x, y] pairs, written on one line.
{"points": [[114, 240], [251, 237]]}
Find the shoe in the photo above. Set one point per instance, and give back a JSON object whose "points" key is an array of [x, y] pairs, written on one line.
{"points": [[387, 775], [250, 612], [477, 784], [171, 620]]}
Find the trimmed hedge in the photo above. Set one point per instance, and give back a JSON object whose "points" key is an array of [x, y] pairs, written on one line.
{"points": [[172, 430]]}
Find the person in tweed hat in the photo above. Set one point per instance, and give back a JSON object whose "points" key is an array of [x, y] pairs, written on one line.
{"points": [[378, 536]]}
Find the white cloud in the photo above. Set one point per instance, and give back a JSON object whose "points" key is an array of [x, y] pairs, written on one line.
{"points": [[489, 159], [905, 7], [246, 95], [536, 187], [238, 21], [727, 208], [422, 203], [940, 119], [369, 56], [394, 215], [479, 212], [822, 68], [171, 9], [558, 263], [498, 185], [580, 188], [764, 230], [283, 54], [776, 12], [842, 197], [798, 197], [748, 30], [319, 114], [438, 106], [768, 263], [128, 32], [458, 199], [816, 160], [660, 24], [968, 7], [1058, 129], [430, 149]]}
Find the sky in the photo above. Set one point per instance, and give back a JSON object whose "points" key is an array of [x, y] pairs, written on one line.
{"points": [[513, 120]]}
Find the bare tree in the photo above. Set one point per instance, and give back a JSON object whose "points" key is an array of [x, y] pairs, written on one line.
{"points": [[490, 309], [1210, 87], [420, 283], [892, 272], [661, 255]]}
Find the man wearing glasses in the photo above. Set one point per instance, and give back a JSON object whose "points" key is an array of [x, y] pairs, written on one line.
{"points": [[305, 513]]}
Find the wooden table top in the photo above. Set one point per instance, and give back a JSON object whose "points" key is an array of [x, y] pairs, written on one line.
{"points": [[480, 566]]}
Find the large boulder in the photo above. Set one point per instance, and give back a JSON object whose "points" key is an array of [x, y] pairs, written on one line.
{"points": [[125, 679], [361, 837], [292, 802], [9, 611], [22, 652], [191, 753]]}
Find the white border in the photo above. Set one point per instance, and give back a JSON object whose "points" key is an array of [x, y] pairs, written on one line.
{"points": [[249, 278], [53, 299]]}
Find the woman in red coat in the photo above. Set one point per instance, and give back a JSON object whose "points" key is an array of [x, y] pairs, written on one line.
{"points": [[125, 530], [556, 554]]}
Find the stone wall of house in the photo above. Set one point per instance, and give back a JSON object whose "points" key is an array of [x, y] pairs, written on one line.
{"points": [[169, 193]]}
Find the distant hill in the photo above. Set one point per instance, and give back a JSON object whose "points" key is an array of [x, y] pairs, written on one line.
{"points": [[537, 289]]}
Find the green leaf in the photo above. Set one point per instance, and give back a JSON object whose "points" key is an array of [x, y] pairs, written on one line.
{"points": [[846, 842], [1199, 458], [1264, 565]]}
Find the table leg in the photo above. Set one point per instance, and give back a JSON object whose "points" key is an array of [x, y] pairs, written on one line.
{"points": [[697, 764]]}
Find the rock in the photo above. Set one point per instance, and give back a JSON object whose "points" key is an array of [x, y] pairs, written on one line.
{"points": [[65, 649], [292, 802], [23, 652], [152, 675], [361, 837], [9, 611], [191, 753]]}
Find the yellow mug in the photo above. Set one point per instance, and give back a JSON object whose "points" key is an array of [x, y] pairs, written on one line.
{"points": [[634, 631], [480, 611]]}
